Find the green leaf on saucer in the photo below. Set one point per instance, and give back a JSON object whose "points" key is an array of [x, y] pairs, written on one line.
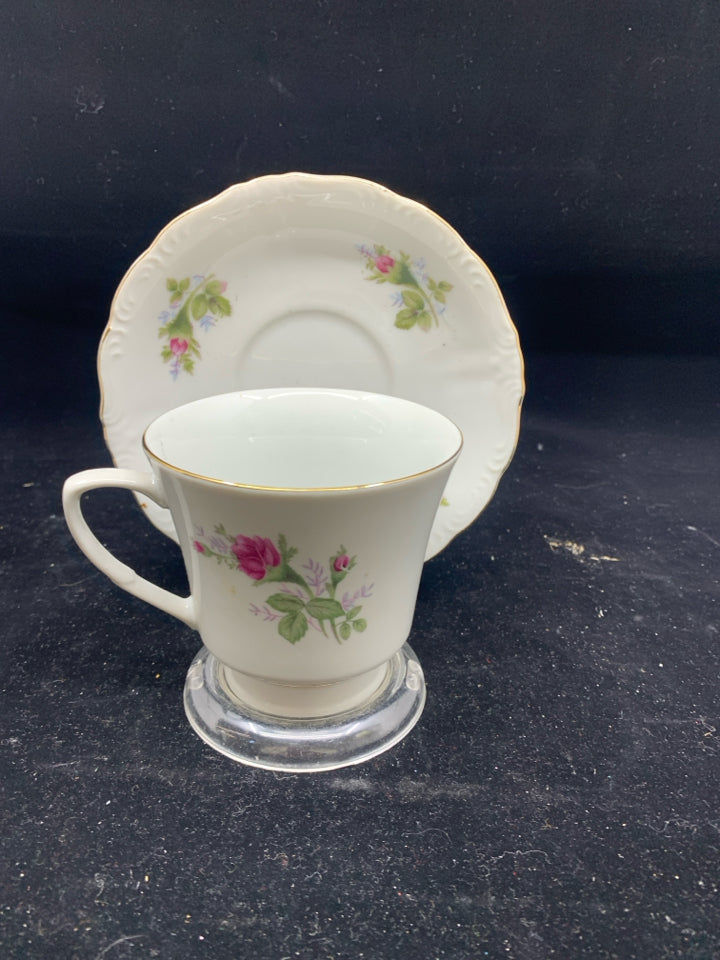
{"points": [[413, 300], [405, 319], [199, 305], [401, 274], [180, 326], [220, 306]]}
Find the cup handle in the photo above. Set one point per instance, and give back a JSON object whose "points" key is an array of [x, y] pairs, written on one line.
{"points": [[75, 486]]}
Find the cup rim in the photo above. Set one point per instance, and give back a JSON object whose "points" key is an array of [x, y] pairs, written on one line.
{"points": [[300, 489]]}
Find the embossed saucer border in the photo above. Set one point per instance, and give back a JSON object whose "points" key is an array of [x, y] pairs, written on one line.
{"points": [[130, 401]]}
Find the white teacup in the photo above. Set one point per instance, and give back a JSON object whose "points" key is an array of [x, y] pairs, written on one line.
{"points": [[303, 516]]}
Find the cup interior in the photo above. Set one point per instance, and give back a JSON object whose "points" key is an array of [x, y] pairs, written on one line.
{"points": [[303, 438]]}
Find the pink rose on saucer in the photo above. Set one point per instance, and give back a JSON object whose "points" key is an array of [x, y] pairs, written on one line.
{"points": [[384, 263]]}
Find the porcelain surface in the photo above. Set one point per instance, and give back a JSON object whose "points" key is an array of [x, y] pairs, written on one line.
{"points": [[304, 280], [302, 583]]}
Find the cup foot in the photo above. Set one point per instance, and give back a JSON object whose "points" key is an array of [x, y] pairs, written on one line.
{"points": [[303, 744]]}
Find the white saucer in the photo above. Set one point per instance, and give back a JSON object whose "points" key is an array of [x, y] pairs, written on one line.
{"points": [[304, 280]]}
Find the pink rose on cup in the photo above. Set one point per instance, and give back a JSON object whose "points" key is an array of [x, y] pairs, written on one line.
{"points": [[341, 563], [384, 263], [303, 601], [255, 554], [178, 346]]}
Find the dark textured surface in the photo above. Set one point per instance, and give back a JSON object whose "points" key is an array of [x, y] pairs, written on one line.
{"points": [[558, 797]]}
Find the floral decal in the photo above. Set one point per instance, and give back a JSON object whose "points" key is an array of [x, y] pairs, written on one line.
{"points": [[420, 298], [303, 601], [193, 300]]}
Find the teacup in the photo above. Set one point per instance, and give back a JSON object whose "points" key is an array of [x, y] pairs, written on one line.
{"points": [[303, 516]]}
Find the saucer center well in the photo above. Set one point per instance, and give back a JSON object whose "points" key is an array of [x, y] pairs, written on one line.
{"points": [[314, 348]]}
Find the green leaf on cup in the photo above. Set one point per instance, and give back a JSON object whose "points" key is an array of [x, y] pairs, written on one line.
{"points": [[325, 609], [293, 626], [304, 601], [285, 603]]}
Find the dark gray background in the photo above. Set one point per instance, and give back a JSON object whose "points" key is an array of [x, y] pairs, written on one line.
{"points": [[558, 799], [573, 145]]}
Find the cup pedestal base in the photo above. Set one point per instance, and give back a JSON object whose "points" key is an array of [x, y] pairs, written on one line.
{"points": [[304, 728]]}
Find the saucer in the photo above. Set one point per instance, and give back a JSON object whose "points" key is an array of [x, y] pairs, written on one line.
{"points": [[305, 280]]}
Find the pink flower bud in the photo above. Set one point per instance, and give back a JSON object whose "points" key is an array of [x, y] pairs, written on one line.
{"points": [[341, 563], [178, 346], [384, 263]]}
